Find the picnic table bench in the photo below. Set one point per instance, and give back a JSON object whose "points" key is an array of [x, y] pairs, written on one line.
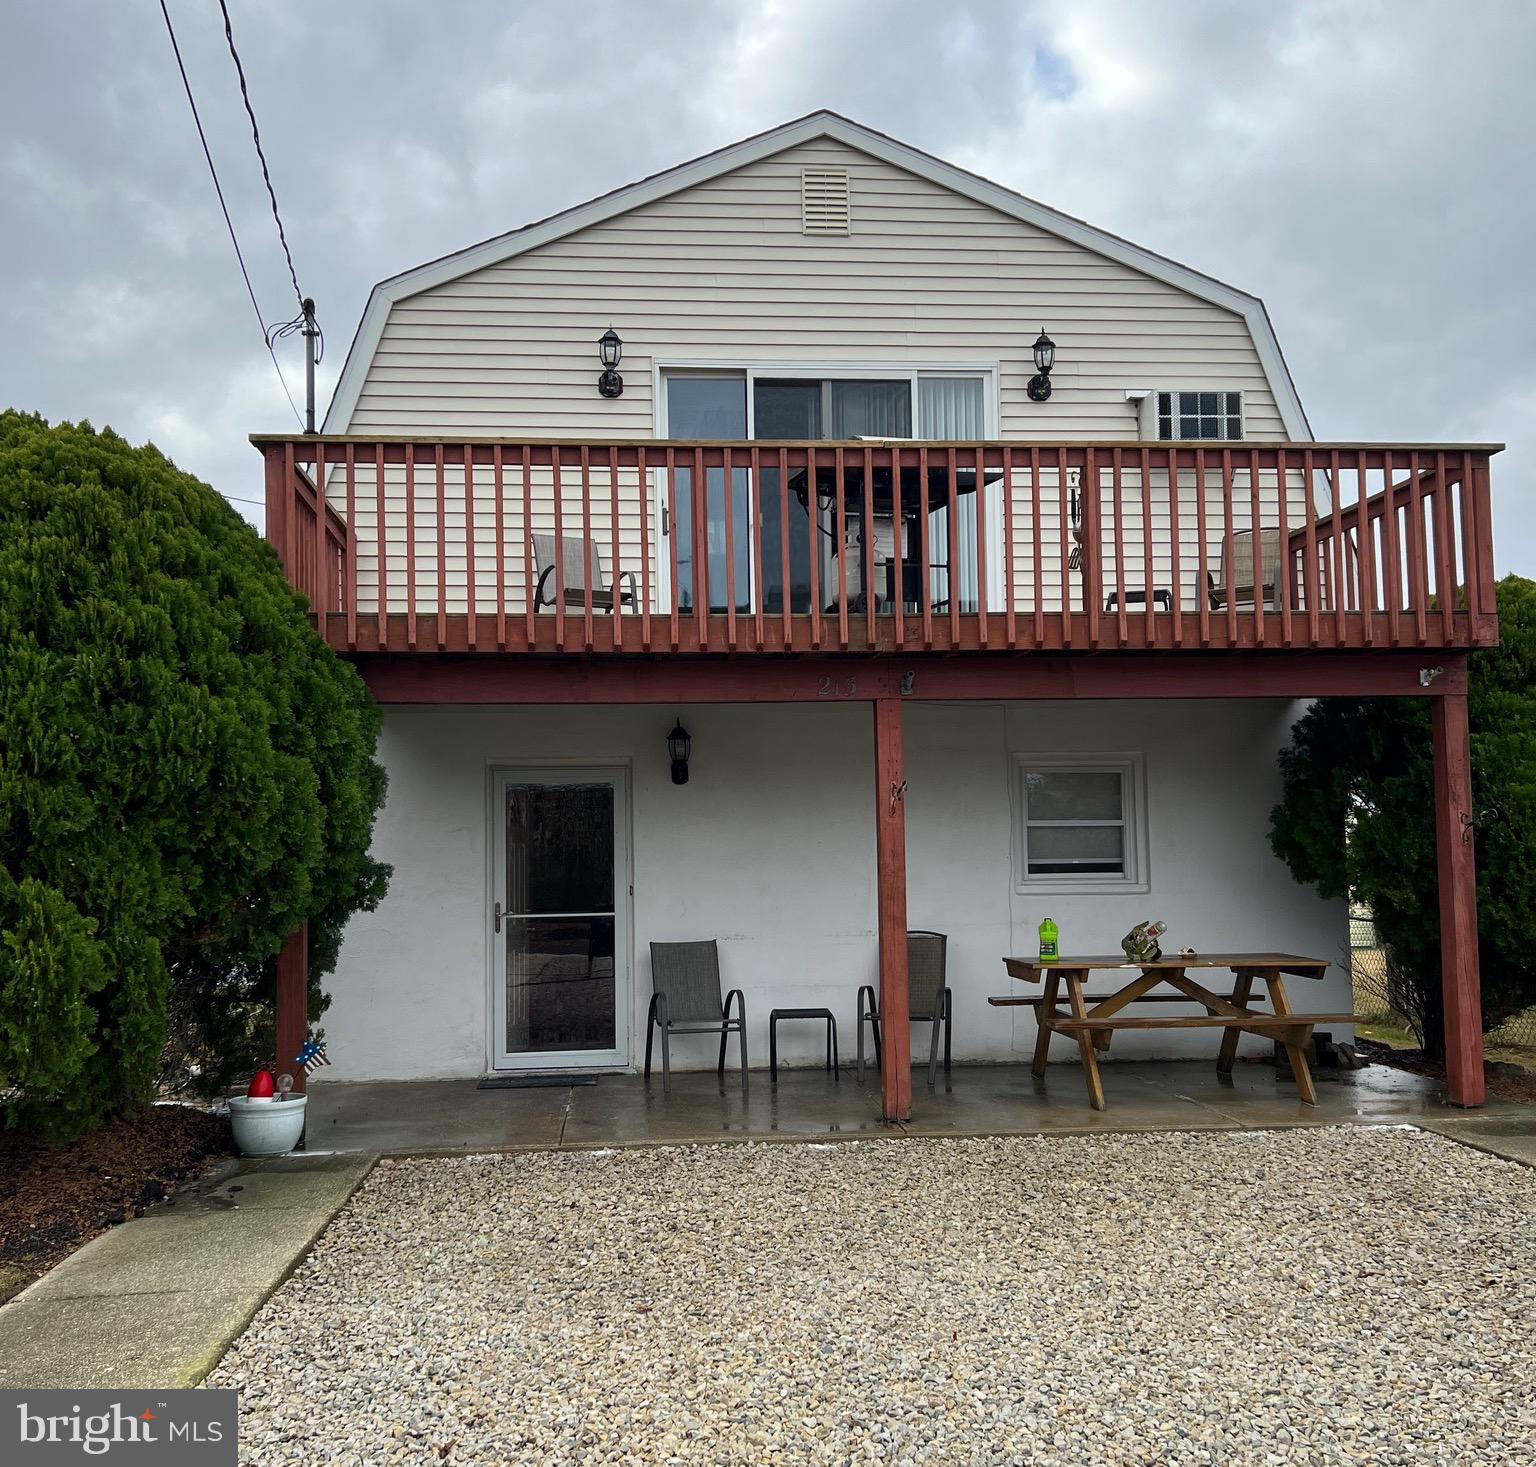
{"points": [[1234, 1013]]}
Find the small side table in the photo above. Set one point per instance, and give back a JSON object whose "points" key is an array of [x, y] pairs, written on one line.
{"points": [[773, 1038], [1162, 599]]}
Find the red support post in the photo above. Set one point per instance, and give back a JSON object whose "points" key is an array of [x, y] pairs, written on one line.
{"points": [[279, 488], [1458, 901], [293, 1005], [891, 884]]}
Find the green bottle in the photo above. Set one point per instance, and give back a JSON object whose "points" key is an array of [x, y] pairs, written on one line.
{"points": [[1049, 951]]}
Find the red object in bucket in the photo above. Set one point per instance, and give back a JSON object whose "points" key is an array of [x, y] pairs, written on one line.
{"points": [[261, 1085]]}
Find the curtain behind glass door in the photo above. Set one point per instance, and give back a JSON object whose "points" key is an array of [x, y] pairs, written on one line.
{"points": [[873, 409], [953, 408]]}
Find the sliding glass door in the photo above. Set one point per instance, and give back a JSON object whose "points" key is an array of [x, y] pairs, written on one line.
{"points": [[770, 404], [706, 407]]}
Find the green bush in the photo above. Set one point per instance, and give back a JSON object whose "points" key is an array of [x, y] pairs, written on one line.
{"points": [[1366, 767], [49, 968], [186, 775]]}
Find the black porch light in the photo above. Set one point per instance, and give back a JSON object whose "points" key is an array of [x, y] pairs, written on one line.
{"points": [[1045, 359], [610, 350], [679, 746]]}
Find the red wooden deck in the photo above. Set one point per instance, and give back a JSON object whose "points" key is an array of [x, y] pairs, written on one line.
{"points": [[1383, 581], [431, 546]]}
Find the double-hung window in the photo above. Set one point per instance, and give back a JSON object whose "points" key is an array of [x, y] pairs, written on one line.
{"points": [[1080, 823], [1195, 415]]}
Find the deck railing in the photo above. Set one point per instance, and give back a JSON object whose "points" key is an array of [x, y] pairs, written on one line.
{"points": [[649, 546]]}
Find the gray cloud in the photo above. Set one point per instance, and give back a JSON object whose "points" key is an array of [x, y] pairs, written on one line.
{"points": [[1363, 166]]}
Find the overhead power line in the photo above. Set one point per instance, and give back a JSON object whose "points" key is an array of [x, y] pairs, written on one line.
{"points": [[245, 96], [304, 322], [229, 223]]}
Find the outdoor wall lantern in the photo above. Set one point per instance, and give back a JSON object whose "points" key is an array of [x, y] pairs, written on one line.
{"points": [[1045, 359], [679, 746], [610, 349]]}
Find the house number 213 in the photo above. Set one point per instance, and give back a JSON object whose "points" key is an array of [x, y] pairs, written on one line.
{"points": [[836, 687]]}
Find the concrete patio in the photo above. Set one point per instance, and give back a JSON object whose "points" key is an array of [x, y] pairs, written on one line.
{"points": [[205, 1261], [447, 1116]]}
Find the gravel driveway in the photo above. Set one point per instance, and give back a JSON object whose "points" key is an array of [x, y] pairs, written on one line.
{"points": [[1297, 1296]]}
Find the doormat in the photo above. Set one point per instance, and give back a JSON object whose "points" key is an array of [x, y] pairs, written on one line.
{"points": [[532, 1082]]}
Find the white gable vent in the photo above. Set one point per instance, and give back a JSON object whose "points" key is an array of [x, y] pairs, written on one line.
{"points": [[824, 201]]}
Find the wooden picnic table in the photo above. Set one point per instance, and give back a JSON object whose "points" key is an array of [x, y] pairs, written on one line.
{"points": [[1234, 1013]]}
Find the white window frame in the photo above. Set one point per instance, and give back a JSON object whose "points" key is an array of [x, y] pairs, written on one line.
{"points": [[1133, 784], [908, 372], [1150, 428], [989, 372]]}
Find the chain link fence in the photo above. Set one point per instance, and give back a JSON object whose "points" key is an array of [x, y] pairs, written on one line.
{"points": [[1368, 970]]}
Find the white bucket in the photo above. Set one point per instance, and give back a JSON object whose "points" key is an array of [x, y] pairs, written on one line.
{"points": [[266, 1127]]}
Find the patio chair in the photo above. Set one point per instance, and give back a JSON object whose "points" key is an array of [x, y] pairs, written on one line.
{"points": [[929, 1000], [1236, 580], [685, 999], [573, 574]]}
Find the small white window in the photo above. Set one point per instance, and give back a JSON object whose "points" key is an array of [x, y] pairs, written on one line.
{"points": [[1189, 416], [1081, 824]]}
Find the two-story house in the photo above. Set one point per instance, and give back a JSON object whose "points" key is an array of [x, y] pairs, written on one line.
{"points": [[816, 541]]}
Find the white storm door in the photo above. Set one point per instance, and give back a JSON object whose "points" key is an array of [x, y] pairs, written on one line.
{"points": [[560, 919]]}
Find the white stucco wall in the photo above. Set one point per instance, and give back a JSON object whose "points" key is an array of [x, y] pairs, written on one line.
{"points": [[770, 849]]}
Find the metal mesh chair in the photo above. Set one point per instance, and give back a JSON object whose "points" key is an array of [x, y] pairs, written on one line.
{"points": [[1235, 581], [573, 574], [685, 999], [929, 1000]]}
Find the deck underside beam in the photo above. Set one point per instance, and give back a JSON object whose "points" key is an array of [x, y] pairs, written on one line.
{"points": [[425, 678]]}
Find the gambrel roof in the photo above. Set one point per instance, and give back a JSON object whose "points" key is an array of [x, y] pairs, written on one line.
{"points": [[816, 125]]}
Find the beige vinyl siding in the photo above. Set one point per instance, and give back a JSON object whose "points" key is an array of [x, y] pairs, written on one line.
{"points": [[722, 272], [1138, 530], [413, 520]]}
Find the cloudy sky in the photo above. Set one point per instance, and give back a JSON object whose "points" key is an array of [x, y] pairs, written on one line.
{"points": [[1365, 167]]}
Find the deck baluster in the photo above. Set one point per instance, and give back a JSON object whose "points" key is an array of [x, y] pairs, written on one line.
{"points": [[349, 551], [1391, 564], [498, 478], [586, 549], [381, 547], [1203, 553], [441, 617], [410, 547], [926, 587], [1175, 574], [1309, 565], [1010, 588], [469, 545]]}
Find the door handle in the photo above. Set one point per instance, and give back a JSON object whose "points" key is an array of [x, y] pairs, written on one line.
{"points": [[666, 521], [496, 918]]}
